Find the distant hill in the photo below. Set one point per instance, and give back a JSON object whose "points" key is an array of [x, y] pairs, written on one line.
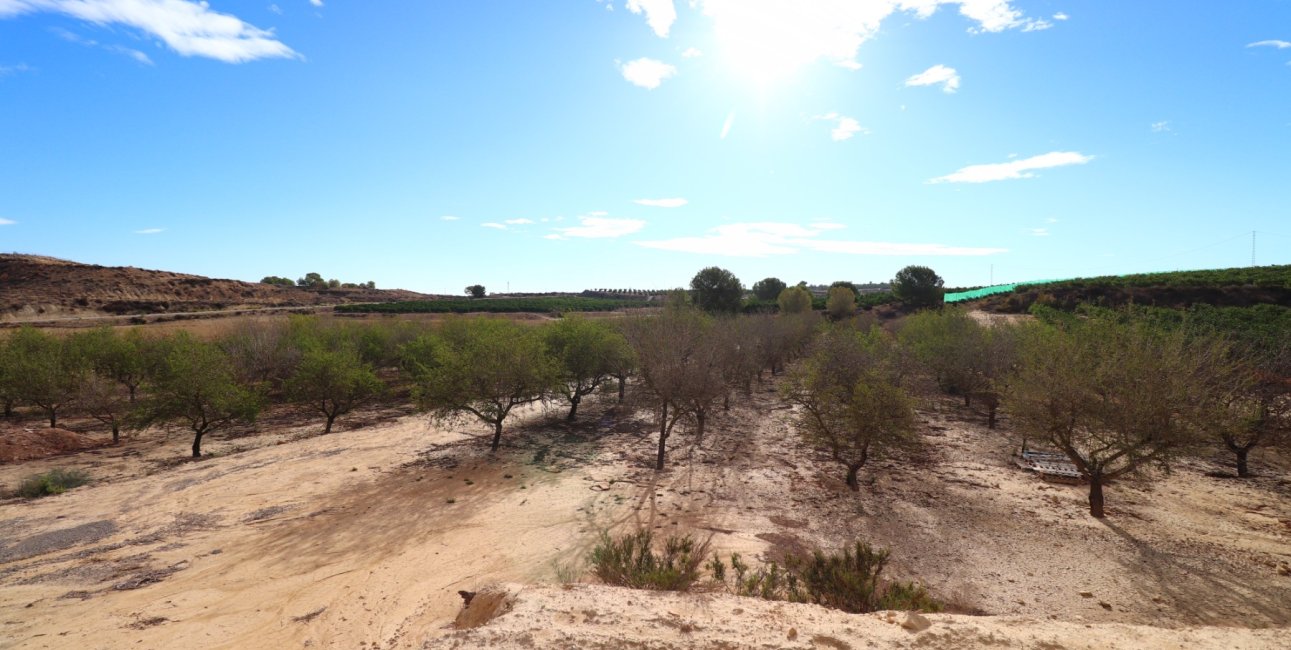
{"points": [[1236, 287], [33, 287]]}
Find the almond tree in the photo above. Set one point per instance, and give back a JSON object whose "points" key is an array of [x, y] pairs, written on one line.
{"points": [[46, 372], [965, 357], [1262, 410], [333, 381], [105, 400], [123, 358], [667, 347], [1116, 397], [8, 381], [850, 398], [587, 353], [194, 385], [484, 367]]}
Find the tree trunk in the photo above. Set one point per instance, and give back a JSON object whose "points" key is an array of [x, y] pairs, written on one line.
{"points": [[968, 400], [331, 417], [701, 417], [497, 435], [663, 437], [8, 408], [53, 418], [573, 408], [726, 401], [990, 415], [197, 444], [116, 433], [132, 388], [1242, 470], [1096, 496], [852, 481], [622, 382]]}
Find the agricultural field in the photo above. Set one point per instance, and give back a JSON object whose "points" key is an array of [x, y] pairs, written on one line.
{"points": [[374, 469], [535, 305]]}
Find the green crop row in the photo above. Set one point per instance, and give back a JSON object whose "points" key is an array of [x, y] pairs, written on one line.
{"points": [[537, 305]]}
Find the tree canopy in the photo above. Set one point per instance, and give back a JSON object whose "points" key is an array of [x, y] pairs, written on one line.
{"points": [[794, 300], [918, 286], [482, 367], [768, 288], [717, 290]]}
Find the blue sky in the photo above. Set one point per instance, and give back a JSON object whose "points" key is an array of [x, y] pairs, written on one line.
{"points": [[597, 143]]}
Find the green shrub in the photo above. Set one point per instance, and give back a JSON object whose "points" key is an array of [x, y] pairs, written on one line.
{"points": [[850, 580], [631, 561], [56, 481]]}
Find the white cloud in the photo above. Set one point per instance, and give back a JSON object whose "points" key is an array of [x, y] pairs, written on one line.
{"points": [[73, 37], [662, 203], [1281, 45], [1161, 127], [1051, 220], [766, 39], [149, 231], [1013, 169], [726, 126], [691, 52], [1060, 16], [660, 14], [850, 64], [937, 74], [552, 237], [647, 73], [449, 217], [844, 127], [275, 9], [189, 28], [772, 238], [1037, 25], [517, 222], [1039, 232], [6, 70], [495, 226], [134, 54], [600, 227], [7, 222], [316, 3]]}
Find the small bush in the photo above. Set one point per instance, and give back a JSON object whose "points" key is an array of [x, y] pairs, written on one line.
{"points": [[55, 481], [630, 561], [849, 580]]}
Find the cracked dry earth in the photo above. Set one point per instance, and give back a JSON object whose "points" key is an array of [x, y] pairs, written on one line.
{"points": [[362, 538]]}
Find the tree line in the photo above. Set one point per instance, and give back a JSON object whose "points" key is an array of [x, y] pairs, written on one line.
{"points": [[316, 282], [1113, 391]]}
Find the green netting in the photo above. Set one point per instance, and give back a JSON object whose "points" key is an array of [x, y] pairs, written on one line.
{"points": [[990, 291]]}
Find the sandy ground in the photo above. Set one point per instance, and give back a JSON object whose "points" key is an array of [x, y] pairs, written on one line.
{"points": [[596, 617], [363, 537]]}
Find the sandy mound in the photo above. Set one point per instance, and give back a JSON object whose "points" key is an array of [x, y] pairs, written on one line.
{"points": [[596, 617], [28, 443]]}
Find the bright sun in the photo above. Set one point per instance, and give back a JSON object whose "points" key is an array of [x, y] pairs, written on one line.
{"points": [[768, 40]]}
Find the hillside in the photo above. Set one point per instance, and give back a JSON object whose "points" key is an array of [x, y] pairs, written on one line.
{"points": [[1235, 287], [39, 288]]}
